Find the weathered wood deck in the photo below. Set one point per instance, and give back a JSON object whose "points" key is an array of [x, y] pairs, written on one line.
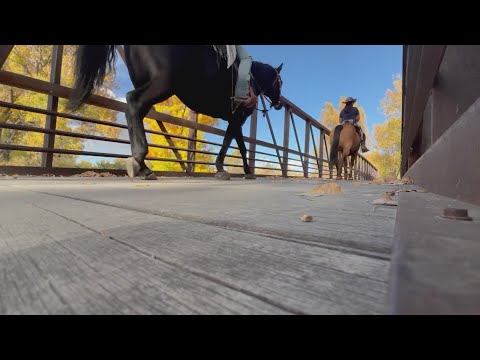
{"points": [[191, 246]]}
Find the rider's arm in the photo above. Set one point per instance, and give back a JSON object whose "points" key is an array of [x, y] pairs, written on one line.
{"points": [[357, 118]]}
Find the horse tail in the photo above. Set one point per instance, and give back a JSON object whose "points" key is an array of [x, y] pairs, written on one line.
{"points": [[90, 69], [336, 141]]}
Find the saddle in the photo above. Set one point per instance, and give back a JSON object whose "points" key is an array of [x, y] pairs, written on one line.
{"points": [[227, 53]]}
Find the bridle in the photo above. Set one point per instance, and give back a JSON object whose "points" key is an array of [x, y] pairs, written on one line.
{"points": [[278, 79]]}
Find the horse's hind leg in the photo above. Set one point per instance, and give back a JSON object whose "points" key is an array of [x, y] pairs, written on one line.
{"points": [[339, 165], [139, 102], [221, 173], [353, 158], [345, 167]]}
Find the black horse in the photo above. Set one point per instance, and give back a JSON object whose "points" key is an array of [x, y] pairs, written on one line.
{"points": [[196, 74]]}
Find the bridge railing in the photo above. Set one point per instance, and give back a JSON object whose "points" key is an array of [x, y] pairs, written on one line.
{"points": [[289, 159]]}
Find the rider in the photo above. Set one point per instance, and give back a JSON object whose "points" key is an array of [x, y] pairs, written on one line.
{"points": [[351, 114], [243, 91]]}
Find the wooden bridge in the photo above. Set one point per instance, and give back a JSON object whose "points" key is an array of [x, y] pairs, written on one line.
{"points": [[189, 244]]}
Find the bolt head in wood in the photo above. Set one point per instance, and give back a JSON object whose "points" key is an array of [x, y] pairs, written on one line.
{"points": [[456, 214]]}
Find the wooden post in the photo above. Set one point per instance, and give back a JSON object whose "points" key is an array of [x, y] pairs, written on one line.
{"points": [[286, 135], [306, 149], [296, 137], [320, 152], [192, 144], [271, 132], [315, 150], [52, 105], [253, 145]]}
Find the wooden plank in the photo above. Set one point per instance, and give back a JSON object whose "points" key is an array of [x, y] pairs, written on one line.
{"points": [[293, 277], [52, 105], [436, 262], [276, 212], [60, 266], [5, 50]]}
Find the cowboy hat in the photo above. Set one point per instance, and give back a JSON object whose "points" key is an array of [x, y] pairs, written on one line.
{"points": [[349, 99]]}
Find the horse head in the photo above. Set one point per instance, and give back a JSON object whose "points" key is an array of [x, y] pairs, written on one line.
{"points": [[267, 81]]}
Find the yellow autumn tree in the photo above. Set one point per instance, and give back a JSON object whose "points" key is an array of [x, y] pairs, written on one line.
{"points": [[175, 107], [387, 154], [330, 114], [35, 61], [235, 161], [391, 104]]}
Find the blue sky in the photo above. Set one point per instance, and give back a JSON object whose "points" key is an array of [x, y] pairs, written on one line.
{"points": [[312, 75]]}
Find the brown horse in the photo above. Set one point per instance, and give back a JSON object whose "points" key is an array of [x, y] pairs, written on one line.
{"points": [[345, 142]]}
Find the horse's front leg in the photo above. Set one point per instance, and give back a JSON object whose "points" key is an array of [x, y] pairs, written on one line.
{"points": [[243, 152], [221, 173]]}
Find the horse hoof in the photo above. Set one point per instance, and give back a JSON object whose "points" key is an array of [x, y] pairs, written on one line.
{"points": [[250, 177], [150, 176], [132, 167], [338, 178], [222, 175]]}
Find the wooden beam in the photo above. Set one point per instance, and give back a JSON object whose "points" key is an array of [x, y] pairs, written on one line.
{"points": [[306, 148], [52, 105], [316, 153], [420, 82], [297, 140], [451, 166], [192, 144], [286, 135], [253, 145], [172, 144], [271, 131], [320, 151]]}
